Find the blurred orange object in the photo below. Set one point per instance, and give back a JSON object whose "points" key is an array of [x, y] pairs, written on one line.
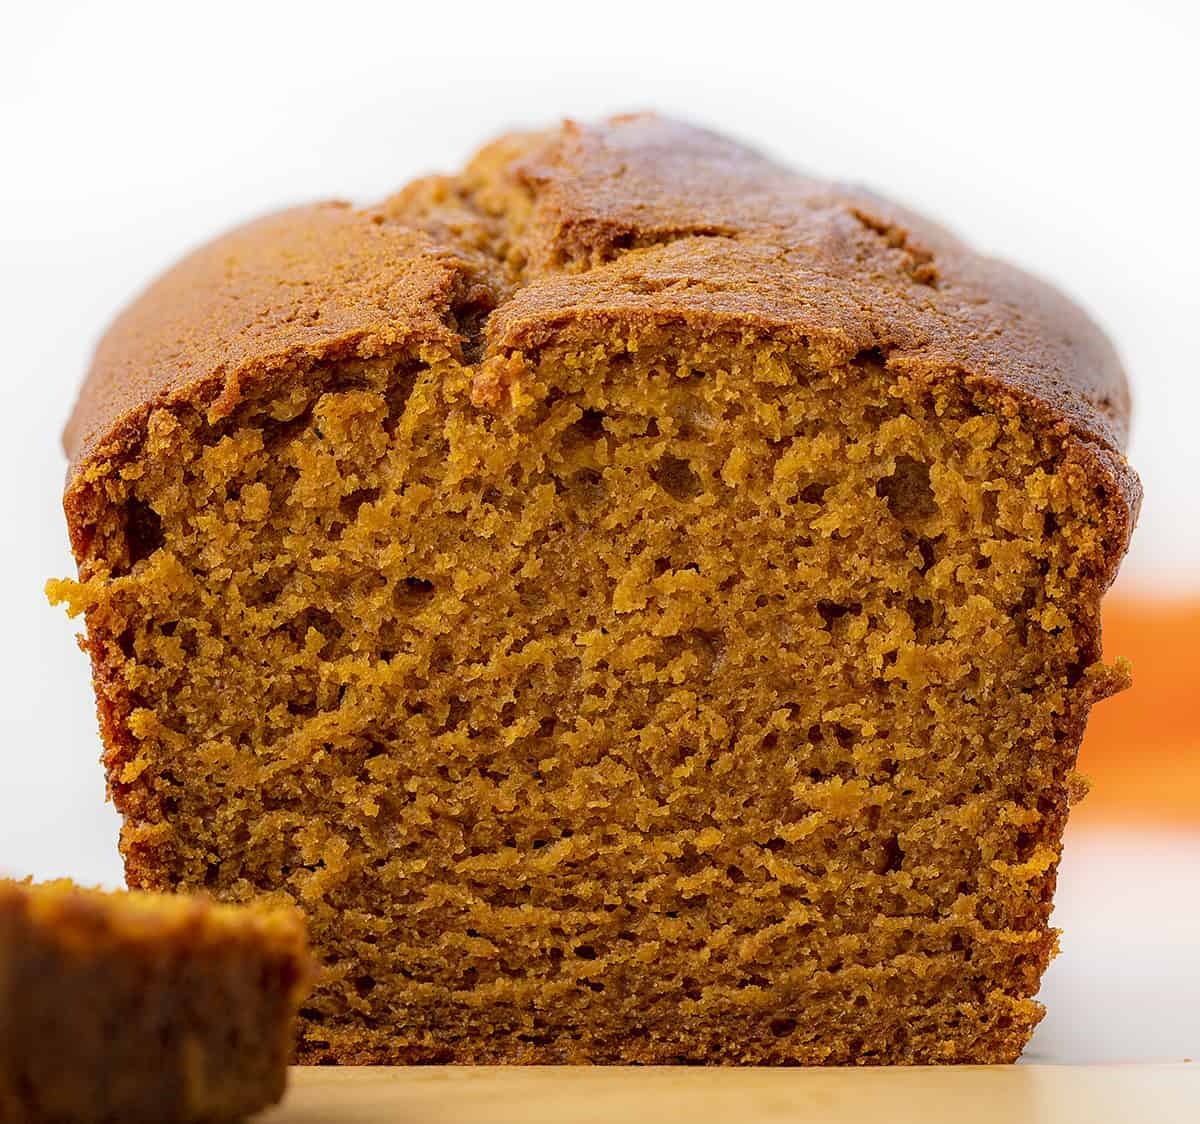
{"points": [[1142, 747]]}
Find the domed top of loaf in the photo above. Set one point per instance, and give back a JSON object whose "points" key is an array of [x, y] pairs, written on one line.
{"points": [[640, 219]]}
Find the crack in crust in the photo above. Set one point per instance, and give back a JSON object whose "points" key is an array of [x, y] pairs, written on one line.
{"points": [[917, 262]]}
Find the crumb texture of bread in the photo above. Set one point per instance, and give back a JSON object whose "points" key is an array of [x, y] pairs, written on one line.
{"points": [[136, 1007], [640, 603]]}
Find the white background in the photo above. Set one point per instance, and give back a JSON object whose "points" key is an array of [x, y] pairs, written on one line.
{"points": [[1062, 136]]}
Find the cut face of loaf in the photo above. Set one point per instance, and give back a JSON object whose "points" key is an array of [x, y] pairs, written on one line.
{"points": [[629, 683]]}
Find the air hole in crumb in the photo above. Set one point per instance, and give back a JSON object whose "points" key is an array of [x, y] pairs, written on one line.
{"points": [[892, 858], [781, 1028], [908, 491], [282, 431], [925, 546], [344, 383], [302, 708], [364, 985], [691, 861], [456, 712], [350, 504], [317, 620], [708, 647], [921, 614], [143, 530], [831, 611], [126, 642], [1026, 844], [412, 592], [676, 477], [585, 952], [775, 845], [814, 493], [705, 647], [587, 429], [1049, 525]]}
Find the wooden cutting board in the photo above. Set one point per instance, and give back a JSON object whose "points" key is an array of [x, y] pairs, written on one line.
{"points": [[1025, 1094]]}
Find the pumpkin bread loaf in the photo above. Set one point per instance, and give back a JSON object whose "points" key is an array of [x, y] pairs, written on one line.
{"points": [[138, 1007], [641, 603]]}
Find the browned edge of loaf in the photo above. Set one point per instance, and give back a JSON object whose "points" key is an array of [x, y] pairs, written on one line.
{"points": [[546, 236]]}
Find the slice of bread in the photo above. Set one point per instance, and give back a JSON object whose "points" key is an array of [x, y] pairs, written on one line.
{"points": [[136, 1007], [641, 603]]}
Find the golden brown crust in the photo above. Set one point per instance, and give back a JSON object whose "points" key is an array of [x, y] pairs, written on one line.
{"points": [[638, 219], [302, 286]]}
